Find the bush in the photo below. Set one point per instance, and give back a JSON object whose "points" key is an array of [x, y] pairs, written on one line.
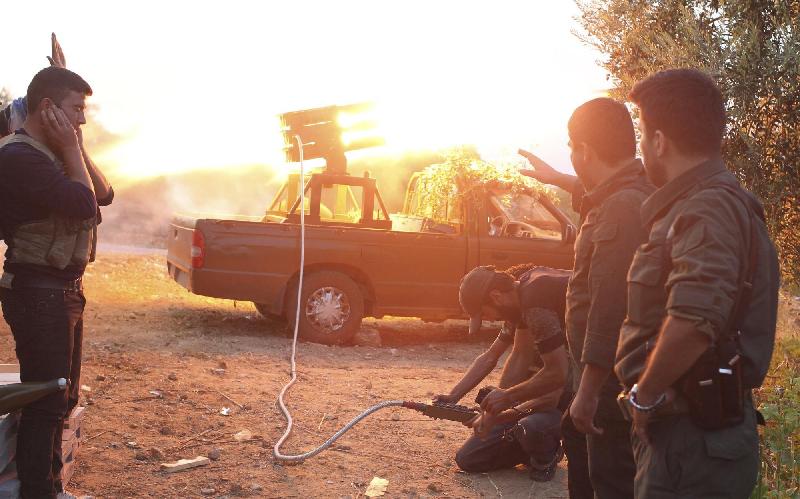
{"points": [[752, 48]]}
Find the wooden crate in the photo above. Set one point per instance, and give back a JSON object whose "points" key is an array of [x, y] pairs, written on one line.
{"points": [[70, 443], [75, 418]]}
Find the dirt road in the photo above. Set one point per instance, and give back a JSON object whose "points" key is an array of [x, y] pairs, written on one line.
{"points": [[160, 365]]}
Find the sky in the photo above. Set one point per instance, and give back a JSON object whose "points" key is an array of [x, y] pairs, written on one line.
{"points": [[185, 85]]}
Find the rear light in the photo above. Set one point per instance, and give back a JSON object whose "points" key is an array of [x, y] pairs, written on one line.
{"points": [[198, 249]]}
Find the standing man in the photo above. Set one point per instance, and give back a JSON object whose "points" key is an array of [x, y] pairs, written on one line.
{"points": [[48, 218], [608, 193], [520, 422], [703, 294]]}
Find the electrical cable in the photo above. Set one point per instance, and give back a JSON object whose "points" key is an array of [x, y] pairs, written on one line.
{"points": [[456, 412], [276, 450]]}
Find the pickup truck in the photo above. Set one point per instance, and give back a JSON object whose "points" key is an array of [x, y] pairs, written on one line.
{"points": [[358, 265]]}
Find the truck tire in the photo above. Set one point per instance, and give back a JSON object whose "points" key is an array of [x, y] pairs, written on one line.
{"points": [[331, 310]]}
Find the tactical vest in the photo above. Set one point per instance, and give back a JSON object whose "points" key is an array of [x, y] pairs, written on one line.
{"points": [[57, 241]]}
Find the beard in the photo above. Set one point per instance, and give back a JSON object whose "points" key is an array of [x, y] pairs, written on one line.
{"points": [[656, 170], [508, 313]]}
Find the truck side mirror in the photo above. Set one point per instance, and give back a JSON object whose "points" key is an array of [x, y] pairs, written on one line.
{"points": [[569, 233]]}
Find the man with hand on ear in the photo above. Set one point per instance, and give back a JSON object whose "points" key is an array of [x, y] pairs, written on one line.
{"points": [[49, 196]]}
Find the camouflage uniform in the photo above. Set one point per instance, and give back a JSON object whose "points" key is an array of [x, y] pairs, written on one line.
{"points": [[690, 268]]}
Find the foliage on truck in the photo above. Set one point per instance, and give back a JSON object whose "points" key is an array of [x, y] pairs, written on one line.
{"points": [[443, 190]]}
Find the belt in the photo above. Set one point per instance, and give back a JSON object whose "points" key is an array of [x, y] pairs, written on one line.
{"points": [[676, 407], [45, 282]]}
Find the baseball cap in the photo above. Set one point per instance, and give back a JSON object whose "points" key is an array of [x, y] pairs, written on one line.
{"points": [[472, 293]]}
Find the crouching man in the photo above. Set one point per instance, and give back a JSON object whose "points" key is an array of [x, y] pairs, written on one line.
{"points": [[520, 421]]}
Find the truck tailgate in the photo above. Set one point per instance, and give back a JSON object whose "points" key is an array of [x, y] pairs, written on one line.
{"points": [[179, 249]]}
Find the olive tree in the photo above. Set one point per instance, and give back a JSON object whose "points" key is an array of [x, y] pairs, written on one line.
{"points": [[752, 48]]}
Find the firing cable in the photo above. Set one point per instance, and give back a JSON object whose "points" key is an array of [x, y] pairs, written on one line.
{"points": [[276, 451]]}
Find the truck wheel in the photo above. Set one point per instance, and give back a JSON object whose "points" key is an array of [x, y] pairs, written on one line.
{"points": [[331, 310]]}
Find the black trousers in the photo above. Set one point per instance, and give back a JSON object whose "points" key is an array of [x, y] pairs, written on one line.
{"points": [[540, 442], [47, 325], [600, 466], [578, 482]]}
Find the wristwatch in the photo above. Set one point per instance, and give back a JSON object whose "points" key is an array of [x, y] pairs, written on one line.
{"points": [[644, 408]]}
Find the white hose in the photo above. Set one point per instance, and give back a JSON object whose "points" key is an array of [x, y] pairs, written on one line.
{"points": [[299, 458], [276, 451]]}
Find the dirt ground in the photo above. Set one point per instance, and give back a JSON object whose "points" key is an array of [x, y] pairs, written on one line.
{"points": [[161, 364]]}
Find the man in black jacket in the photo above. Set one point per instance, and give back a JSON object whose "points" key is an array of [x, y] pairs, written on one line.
{"points": [[49, 197]]}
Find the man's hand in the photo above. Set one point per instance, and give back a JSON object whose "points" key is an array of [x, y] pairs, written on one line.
{"points": [[582, 411], [56, 58], [445, 399], [541, 170], [497, 401], [639, 424], [641, 419], [59, 130], [482, 425]]}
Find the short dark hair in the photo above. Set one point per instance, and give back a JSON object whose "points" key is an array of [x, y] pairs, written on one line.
{"points": [[606, 126], [686, 105], [54, 82]]}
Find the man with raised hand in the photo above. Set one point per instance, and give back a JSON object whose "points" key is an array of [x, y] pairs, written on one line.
{"points": [[608, 193]]}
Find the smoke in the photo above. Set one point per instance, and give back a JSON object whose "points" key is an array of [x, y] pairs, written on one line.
{"points": [[141, 211]]}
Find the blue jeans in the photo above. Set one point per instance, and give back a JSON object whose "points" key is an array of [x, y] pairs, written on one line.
{"points": [[540, 439]]}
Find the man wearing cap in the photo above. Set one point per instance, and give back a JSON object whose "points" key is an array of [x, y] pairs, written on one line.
{"points": [[521, 419]]}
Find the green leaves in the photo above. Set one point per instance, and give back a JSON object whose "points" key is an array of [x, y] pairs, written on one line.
{"points": [[462, 178], [752, 48]]}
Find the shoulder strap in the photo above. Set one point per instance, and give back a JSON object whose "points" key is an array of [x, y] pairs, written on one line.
{"points": [[21, 138], [745, 283]]}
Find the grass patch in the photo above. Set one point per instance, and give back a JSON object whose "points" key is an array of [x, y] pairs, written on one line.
{"points": [[779, 402]]}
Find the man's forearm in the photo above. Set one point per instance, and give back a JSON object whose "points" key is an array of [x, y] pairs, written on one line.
{"points": [[565, 181], [592, 380], [545, 402], [542, 383], [679, 346], [102, 187], [479, 369], [75, 167]]}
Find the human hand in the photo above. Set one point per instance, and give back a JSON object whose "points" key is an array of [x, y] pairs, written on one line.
{"points": [[445, 399], [482, 425], [56, 58], [582, 411], [542, 171], [642, 419], [639, 425], [496, 401], [472, 422], [59, 130]]}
